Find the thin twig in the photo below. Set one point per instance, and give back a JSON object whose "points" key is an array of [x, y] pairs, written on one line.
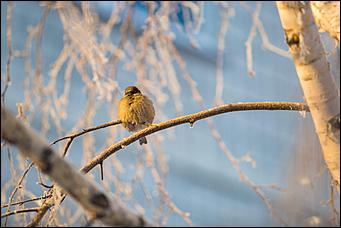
{"points": [[17, 186], [35, 209], [248, 43], [42, 211], [225, 14], [333, 211], [9, 47], [71, 137], [27, 201]]}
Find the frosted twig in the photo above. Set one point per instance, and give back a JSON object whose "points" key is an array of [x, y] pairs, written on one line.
{"points": [[9, 48], [225, 13]]}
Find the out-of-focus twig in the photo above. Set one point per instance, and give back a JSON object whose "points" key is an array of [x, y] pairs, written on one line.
{"points": [[225, 14], [257, 24], [9, 48], [26, 201], [248, 43], [35, 209], [17, 186]]}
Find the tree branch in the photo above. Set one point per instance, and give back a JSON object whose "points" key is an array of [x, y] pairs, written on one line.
{"points": [[71, 137], [26, 201], [42, 211], [17, 186], [35, 209], [84, 191], [291, 106]]}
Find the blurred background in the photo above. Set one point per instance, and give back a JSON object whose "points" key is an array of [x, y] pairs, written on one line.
{"points": [[69, 66]]}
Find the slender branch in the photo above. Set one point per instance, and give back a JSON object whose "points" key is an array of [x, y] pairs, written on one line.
{"points": [[35, 209], [9, 48], [291, 106], [26, 201], [225, 14], [71, 137], [248, 43], [42, 211], [16, 188], [333, 210]]}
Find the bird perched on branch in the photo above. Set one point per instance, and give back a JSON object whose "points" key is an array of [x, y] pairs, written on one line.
{"points": [[136, 111]]}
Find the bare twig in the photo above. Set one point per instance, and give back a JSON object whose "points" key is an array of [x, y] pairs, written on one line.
{"points": [[257, 24], [333, 211], [71, 137], [42, 211], [35, 209], [9, 47], [17, 186], [26, 201], [248, 43], [225, 13]]}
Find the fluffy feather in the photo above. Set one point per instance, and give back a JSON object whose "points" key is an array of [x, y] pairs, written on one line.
{"points": [[136, 111]]}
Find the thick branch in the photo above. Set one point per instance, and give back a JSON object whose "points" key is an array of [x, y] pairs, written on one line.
{"points": [[88, 195], [293, 106]]}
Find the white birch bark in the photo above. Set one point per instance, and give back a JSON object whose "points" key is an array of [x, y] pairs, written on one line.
{"points": [[327, 17], [314, 73]]}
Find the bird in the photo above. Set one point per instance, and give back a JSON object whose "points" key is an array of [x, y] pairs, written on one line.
{"points": [[135, 111]]}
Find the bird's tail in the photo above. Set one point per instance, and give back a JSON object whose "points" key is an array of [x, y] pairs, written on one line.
{"points": [[143, 140]]}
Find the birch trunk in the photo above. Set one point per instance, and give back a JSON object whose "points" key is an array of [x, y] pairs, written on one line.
{"points": [[314, 73]]}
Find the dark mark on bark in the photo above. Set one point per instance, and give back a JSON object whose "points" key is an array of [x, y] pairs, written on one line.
{"points": [[100, 200], [46, 160], [292, 40], [141, 221]]}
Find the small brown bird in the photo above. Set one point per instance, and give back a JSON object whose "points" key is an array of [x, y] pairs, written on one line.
{"points": [[136, 111]]}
